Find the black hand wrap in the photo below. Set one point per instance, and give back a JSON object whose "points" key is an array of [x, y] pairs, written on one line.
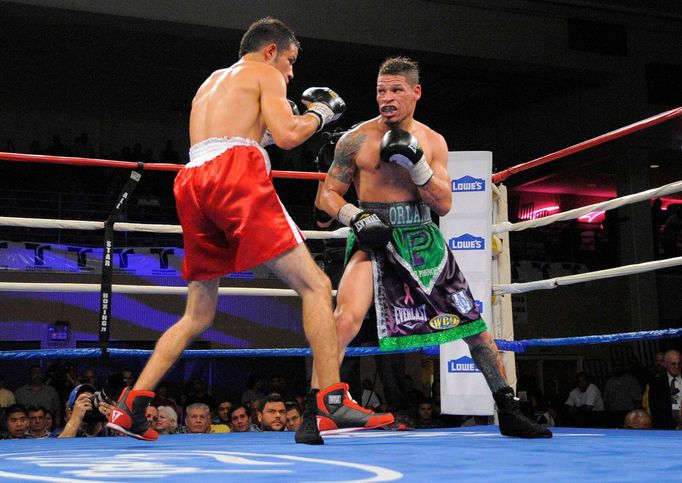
{"points": [[371, 229], [321, 216]]}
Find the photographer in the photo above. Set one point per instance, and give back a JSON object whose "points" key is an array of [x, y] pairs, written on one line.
{"points": [[86, 414]]}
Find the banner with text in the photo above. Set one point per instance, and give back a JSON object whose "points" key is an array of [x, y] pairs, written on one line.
{"points": [[468, 232]]}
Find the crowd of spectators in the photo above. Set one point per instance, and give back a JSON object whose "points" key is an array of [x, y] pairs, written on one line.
{"points": [[65, 405]]}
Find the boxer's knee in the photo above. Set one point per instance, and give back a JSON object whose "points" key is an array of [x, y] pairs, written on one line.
{"points": [[348, 324]]}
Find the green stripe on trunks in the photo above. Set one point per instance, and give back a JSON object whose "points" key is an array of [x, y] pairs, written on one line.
{"points": [[435, 338]]}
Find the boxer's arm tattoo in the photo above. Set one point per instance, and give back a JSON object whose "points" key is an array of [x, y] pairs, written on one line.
{"points": [[343, 167]]}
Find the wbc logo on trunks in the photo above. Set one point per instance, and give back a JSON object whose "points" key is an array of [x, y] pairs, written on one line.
{"points": [[444, 322]]}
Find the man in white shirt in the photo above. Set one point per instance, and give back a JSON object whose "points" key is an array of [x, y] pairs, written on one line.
{"points": [[584, 398]]}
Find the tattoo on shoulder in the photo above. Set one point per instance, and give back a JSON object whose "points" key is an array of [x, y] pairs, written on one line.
{"points": [[347, 149]]}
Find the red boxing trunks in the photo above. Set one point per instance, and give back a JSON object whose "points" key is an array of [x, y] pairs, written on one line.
{"points": [[231, 216]]}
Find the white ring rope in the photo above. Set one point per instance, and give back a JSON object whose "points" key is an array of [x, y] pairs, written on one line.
{"points": [[578, 212], [140, 289], [341, 233], [586, 277], [136, 227]]}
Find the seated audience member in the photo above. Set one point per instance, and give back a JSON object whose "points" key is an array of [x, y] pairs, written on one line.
{"points": [[36, 422], [223, 413], [152, 415], [6, 396], [82, 419], [664, 393], [293, 414], [17, 423], [240, 422], [273, 413], [36, 392], [425, 417], [637, 419], [254, 389], [167, 421], [198, 420], [49, 421], [583, 400], [198, 393], [254, 411], [622, 391]]}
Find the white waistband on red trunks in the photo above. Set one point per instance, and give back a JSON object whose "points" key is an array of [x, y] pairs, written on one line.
{"points": [[211, 148]]}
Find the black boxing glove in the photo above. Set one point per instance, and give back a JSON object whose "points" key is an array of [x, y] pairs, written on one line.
{"points": [[321, 216], [370, 228], [401, 147], [323, 103]]}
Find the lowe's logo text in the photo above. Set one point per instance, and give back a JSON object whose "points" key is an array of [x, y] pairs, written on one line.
{"points": [[463, 364], [468, 183], [467, 242]]}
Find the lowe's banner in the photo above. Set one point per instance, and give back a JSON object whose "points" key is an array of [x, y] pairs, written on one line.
{"points": [[468, 232]]}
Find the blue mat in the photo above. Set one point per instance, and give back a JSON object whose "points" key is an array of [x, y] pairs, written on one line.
{"points": [[462, 454]]}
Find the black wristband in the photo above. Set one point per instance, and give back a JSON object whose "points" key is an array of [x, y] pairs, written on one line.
{"points": [[321, 216]]}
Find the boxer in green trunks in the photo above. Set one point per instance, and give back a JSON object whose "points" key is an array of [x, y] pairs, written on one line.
{"points": [[399, 165]]}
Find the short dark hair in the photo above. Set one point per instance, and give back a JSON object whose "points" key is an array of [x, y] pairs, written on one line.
{"points": [[293, 405], [270, 398], [266, 31], [401, 66], [35, 408], [16, 408], [234, 408]]}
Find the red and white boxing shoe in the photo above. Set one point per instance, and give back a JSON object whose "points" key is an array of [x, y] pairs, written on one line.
{"points": [[338, 413], [128, 416]]}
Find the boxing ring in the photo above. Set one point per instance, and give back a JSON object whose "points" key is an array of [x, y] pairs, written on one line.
{"points": [[463, 453], [473, 454]]}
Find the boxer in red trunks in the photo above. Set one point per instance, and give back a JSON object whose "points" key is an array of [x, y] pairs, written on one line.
{"points": [[232, 220]]}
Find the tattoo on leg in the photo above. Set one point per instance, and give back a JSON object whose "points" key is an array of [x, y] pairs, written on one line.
{"points": [[486, 360]]}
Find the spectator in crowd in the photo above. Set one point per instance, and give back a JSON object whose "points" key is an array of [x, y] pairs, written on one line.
{"points": [[659, 364], [293, 415], [425, 417], [62, 376], [583, 399], [254, 411], [82, 418], [278, 384], [664, 393], [254, 387], [198, 420], [167, 421], [240, 422], [35, 393], [89, 376], [162, 398], [128, 376], [6, 396], [272, 413], [17, 423], [198, 393], [49, 421], [37, 426], [223, 413], [637, 419], [152, 414], [622, 393]]}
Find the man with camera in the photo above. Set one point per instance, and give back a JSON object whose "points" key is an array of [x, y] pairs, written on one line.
{"points": [[86, 414]]}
